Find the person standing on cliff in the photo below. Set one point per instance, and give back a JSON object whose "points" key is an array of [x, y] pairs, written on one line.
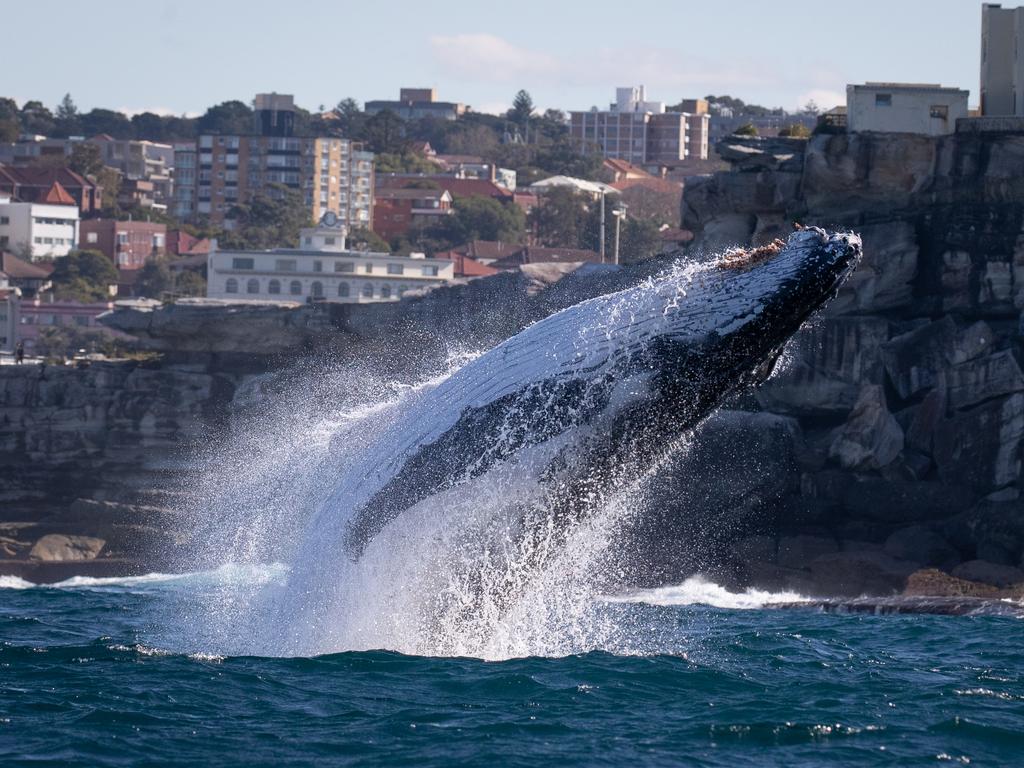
{"points": [[19, 352]]}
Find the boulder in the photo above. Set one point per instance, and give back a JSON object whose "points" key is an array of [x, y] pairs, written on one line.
{"points": [[973, 381], [931, 582], [922, 545], [916, 360], [56, 546], [989, 573], [871, 437]]}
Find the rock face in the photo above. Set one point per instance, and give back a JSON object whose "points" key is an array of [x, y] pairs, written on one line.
{"points": [[908, 395]]}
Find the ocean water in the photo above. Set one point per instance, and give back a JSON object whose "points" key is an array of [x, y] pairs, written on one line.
{"points": [[107, 673]]}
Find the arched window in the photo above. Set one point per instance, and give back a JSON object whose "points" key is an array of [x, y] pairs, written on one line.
{"points": [[295, 288], [231, 286], [385, 291], [368, 291], [343, 290], [316, 290], [252, 286], [274, 286]]}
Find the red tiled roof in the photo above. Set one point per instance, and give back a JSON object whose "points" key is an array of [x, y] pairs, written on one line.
{"points": [[661, 186], [17, 269], [57, 195], [457, 187], [466, 266], [623, 166], [488, 249]]}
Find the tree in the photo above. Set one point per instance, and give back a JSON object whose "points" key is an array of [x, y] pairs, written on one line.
{"points": [[351, 119], [367, 240], [796, 131], [385, 133], [522, 109], [559, 217], [67, 110], [271, 219], [481, 218], [811, 108], [403, 162], [84, 276], [35, 118], [85, 159], [229, 117], [747, 129], [155, 279], [97, 121], [109, 180], [190, 283]]}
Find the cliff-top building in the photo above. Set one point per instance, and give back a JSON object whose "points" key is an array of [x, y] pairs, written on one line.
{"points": [[416, 103], [922, 108], [333, 175], [642, 132], [321, 268]]}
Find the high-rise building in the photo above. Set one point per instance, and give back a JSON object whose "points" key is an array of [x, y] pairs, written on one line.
{"points": [[1002, 64], [643, 132], [334, 175]]}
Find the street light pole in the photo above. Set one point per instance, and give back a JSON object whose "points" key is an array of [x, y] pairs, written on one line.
{"points": [[619, 212], [602, 226]]}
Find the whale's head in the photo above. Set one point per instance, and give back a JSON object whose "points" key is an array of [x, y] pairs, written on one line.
{"points": [[732, 325]]}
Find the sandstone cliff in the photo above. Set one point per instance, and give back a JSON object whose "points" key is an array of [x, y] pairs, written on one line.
{"points": [[905, 402]]}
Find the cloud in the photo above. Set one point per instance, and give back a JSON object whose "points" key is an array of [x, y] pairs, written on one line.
{"points": [[489, 57]]}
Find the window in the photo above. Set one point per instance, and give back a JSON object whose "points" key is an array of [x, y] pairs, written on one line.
{"points": [[343, 290], [285, 265], [385, 291], [396, 269], [940, 111], [883, 99], [316, 290], [318, 266], [252, 286], [328, 241], [243, 263], [344, 266], [91, 237], [429, 271], [122, 238], [369, 269], [274, 287], [5, 219], [295, 288], [231, 286], [368, 291]]}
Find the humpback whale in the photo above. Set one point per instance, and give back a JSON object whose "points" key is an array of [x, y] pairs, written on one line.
{"points": [[617, 376]]}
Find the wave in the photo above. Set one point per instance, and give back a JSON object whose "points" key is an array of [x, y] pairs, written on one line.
{"points": [[697, 590], [231, 573]]}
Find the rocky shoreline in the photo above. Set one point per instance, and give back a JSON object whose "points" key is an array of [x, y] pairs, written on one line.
{"points": [[883, 458]]}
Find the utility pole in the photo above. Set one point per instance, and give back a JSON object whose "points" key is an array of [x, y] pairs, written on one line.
{"points": [[602, 225]]}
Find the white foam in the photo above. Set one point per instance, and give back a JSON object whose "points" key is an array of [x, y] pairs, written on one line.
{"points": [[14, 582], [697, 590], [250, 574]]}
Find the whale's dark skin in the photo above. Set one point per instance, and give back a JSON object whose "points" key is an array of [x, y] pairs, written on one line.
{"points": [[617, 377]]}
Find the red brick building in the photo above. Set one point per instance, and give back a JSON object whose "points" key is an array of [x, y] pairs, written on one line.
{"points": [[398, 211], [129, 244]]}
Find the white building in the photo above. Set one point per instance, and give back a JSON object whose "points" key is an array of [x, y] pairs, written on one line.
{"points": [[322, 268], [40, 230], [904, 108]]}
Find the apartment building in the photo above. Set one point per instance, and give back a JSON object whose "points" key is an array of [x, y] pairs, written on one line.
{"points": [[33, 184], [334, 175], [642, 132], [184, 183], [45, 229], [129, 244], [398, 212], [320, 269]]}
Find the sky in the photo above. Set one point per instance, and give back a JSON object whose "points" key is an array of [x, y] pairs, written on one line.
{"points": [[181, 56]]}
